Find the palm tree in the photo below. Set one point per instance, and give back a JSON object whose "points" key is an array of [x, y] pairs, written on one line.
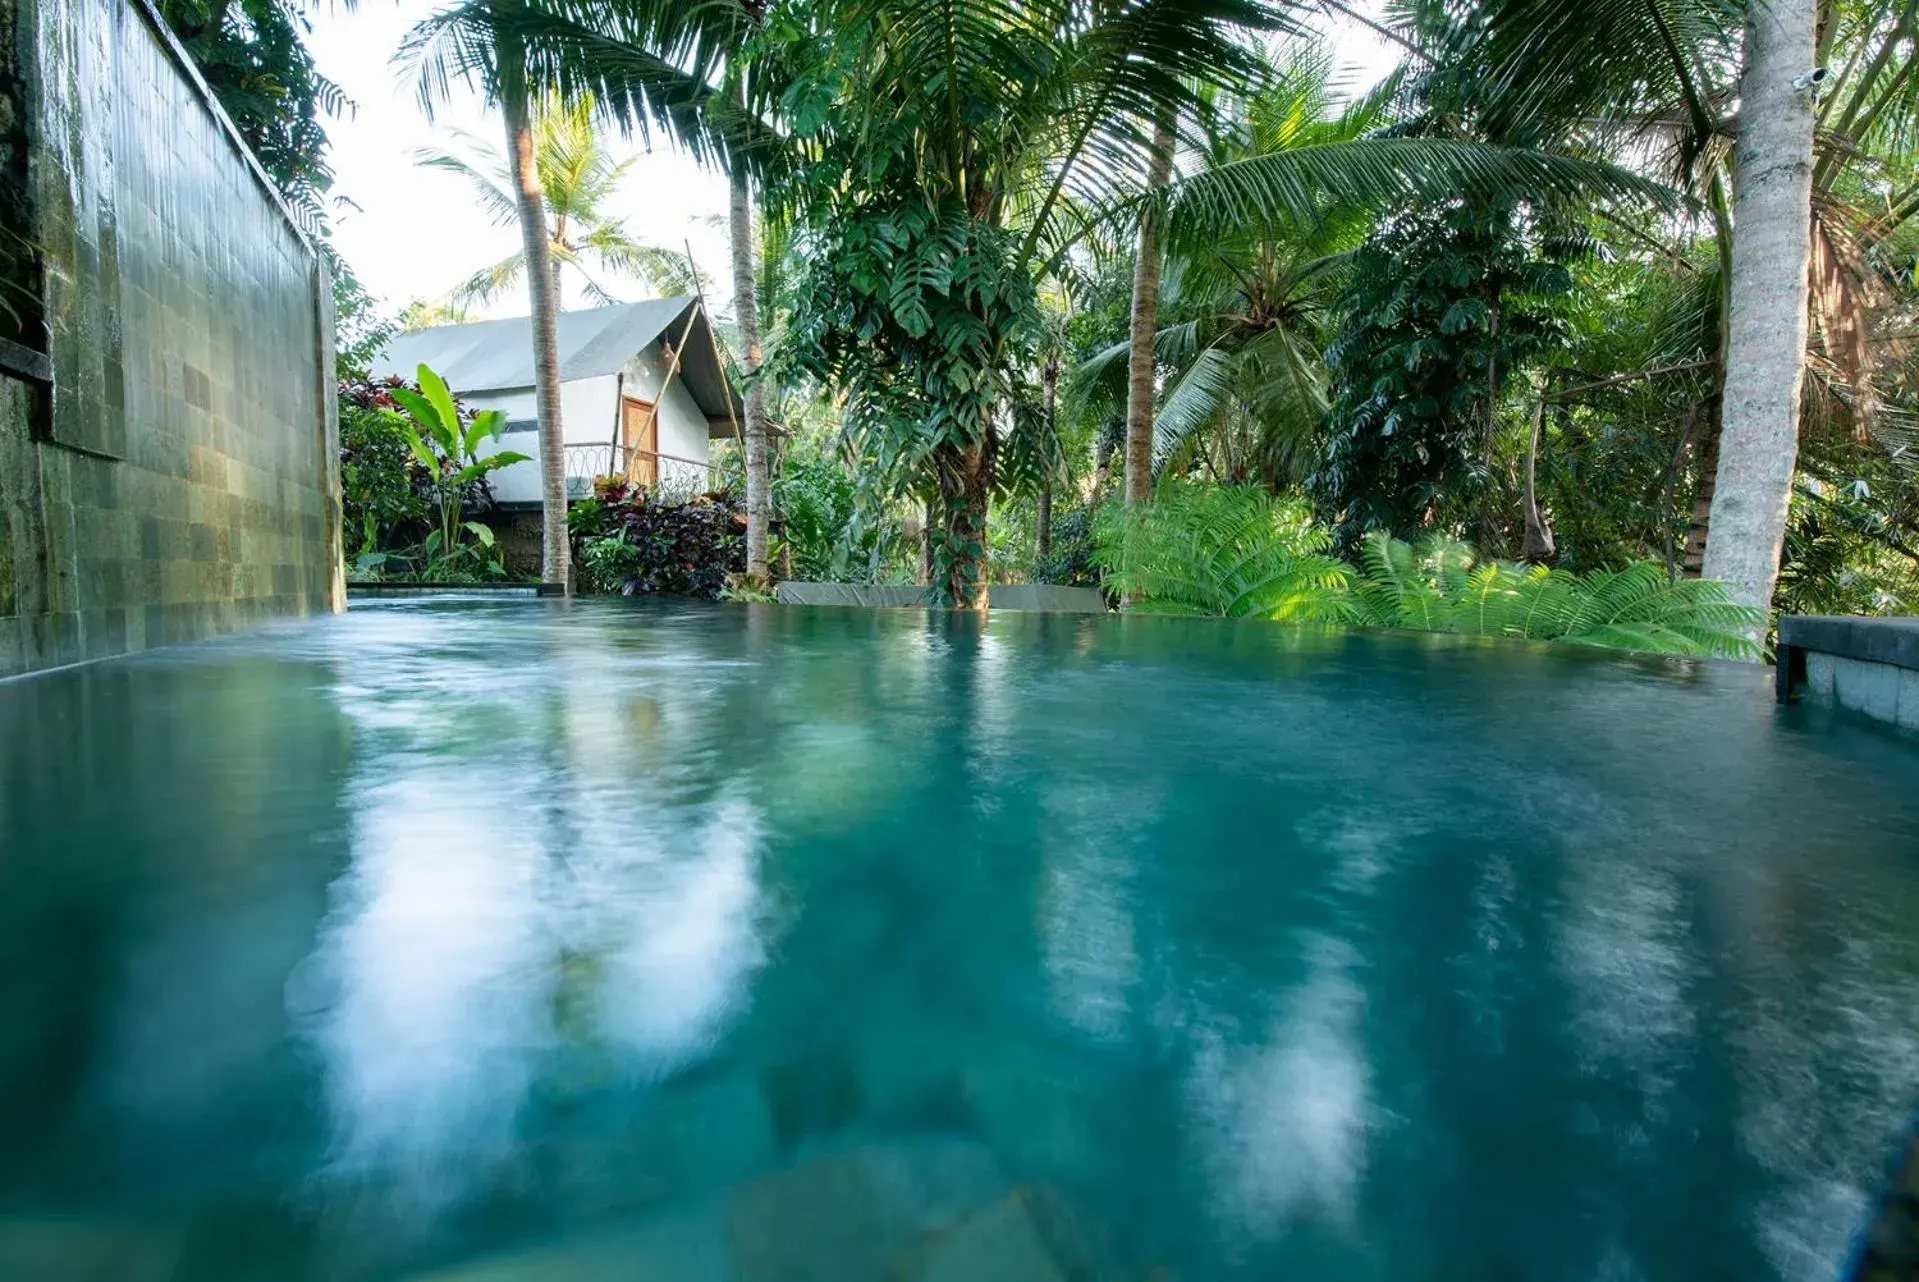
{"points": [[1144, 322], [483, 43], [746, 318], [1815, 183], [990, 141], [1244, 309], [1765, 362], [578, 176], [1015, 131], [674, 66]]}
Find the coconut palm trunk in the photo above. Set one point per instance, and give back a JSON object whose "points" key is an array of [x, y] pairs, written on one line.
{"points": [[746, 315], [1145, 325], [1766, 332], [555, 560]]}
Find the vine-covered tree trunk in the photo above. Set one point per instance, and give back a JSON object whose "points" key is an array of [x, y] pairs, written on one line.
{"points": [[1049, 405], [746, 314], [1536, 546], [1692, 562], [965, 482], [1145, 326], [1766, 336], [1488, 538], [555, 560], [927, 516]]}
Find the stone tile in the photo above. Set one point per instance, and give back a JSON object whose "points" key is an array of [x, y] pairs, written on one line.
{"points": [[685, 1244], [151, 308], [811, 1096], [85, 1250], [1025, 1097], [713, 1131], [998, 1244], [849, 1216], [1908, 715], [1868, 688]]}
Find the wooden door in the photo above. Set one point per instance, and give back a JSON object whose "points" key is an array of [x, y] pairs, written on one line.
{"points": [[640, 434]]}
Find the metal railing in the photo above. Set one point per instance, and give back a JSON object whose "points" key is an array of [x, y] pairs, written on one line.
{"points": [[668, 473]]}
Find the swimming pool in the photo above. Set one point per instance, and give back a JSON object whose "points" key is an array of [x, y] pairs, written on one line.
{"points": [[534, 940]]}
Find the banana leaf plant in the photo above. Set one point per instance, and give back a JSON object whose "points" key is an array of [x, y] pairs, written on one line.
{"points": [[449, 449]]}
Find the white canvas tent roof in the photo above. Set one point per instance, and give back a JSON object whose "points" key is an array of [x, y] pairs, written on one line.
{"points": [[497, 356]]}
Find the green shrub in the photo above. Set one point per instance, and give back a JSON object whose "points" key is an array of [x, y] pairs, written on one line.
{"points": [[817, 500], [1070, 560], [1439, 587], [410, 469], [649, 544], [384, 491], [1236, 552]]}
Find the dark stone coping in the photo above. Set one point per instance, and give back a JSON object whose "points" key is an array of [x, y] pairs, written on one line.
{"points": [[1893, 641], [25, 362], [1018, 597], [436, 589]]}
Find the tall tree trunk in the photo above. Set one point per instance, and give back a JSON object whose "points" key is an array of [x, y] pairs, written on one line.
{"points": [[1692, 564], [746, 314], [1766, 337], [926, 544], [1699, 526], [1537, 544], [1145, 325], [965, 481], [555, 558], [1049, 405], [1488, 536]]}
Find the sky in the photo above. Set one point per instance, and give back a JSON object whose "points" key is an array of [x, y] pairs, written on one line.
{"points": [[411, 232]]}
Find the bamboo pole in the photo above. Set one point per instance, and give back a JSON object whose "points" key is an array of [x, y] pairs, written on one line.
{"points": [[719, 361], [673, 367]]}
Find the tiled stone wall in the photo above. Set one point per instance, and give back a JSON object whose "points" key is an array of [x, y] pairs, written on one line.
{"points": [[1881, 691], [181, 479]]}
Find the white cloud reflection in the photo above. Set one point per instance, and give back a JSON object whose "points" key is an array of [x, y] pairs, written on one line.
{"points": [[1288, 1115], [478, 952]]}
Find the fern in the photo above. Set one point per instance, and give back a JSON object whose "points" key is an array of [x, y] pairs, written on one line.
{"points": [[1437, 587], [1239, 553], [1224, 551]]}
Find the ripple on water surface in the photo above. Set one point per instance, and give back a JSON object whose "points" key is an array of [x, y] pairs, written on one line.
{"points": [[534, 942]]}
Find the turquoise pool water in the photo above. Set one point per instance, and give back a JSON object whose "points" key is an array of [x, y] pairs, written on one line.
{"points": [[517, 941]]}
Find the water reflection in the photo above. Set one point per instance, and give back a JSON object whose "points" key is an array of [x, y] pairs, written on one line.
{"points": [[550, 892], [476, 938], [1286, 1107]]}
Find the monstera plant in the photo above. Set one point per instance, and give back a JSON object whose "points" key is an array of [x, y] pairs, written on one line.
{"points": [[448, 445]]}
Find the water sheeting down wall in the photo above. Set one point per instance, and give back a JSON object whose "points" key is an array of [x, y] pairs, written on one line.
{"points": [[179, 476]]}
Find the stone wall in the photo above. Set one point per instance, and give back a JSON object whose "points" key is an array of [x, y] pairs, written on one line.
{"points": [[1864, 665], [1879, 690], [178, 477]]}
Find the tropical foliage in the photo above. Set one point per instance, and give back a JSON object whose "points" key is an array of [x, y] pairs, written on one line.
{"points": [[578, 176], [412, 466], [1233, 552], [633, 541], [1439, 586], [1236, 552], [384, 490], [252, 55], [450, 445], [1489, 299]]}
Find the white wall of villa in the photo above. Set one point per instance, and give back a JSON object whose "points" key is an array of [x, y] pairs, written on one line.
{"points": [[590, 412]]}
